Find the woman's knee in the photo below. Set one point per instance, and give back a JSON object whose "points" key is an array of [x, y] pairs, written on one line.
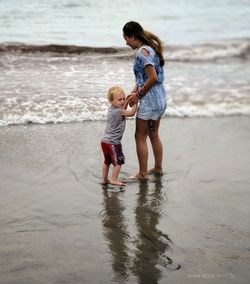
{"points": [[153, 131], [153, 135], [140, 137]]}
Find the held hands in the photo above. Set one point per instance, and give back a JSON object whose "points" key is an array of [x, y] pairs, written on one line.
{"points": [[132, 99], [127, 101], [132, 111]]}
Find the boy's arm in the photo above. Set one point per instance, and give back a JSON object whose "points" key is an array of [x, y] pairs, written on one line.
{"points": [[129, 113]]}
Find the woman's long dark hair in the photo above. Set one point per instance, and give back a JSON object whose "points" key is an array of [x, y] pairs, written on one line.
{"points": [[135, 29]]}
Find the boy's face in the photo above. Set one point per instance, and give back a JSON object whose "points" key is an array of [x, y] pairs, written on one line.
{"points": [[118, 100]]}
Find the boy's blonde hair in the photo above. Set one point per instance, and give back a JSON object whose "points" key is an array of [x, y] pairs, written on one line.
{"points": [[113, 90]]}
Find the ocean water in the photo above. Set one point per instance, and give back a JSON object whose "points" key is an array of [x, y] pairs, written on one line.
{"points": [[58, 58]]}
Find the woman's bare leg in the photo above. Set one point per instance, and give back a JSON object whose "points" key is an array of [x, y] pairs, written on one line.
{"points": [[156, 146], [141, 133]]}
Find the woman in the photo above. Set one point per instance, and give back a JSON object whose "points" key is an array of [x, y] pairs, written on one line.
{"points": [[150, 92]]}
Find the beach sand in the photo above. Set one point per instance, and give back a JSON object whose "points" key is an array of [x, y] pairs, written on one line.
{"points": [[59, 225]]}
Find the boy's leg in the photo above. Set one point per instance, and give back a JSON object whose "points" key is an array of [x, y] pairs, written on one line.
{"points": [[105, 172], [115, 174], [106, 163]]}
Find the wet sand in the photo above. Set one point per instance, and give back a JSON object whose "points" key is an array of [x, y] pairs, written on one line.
{"points": [[59, 225]]}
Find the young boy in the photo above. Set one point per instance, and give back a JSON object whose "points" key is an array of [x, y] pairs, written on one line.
{"points": [[111, 140]]}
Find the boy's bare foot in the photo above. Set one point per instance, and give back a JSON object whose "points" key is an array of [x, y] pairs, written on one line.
{"points": [[156, 171], [116, 182], [139, 177]]}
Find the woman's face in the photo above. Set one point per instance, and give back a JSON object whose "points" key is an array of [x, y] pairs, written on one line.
{"points": [[130, 41]]}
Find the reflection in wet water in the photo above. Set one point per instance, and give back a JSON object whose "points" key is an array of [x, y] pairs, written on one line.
{"points": [[144, 255], [114, 228], [150, 243]]}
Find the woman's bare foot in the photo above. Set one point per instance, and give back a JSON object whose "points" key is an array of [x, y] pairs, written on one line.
{"points": [[156, 171], [103, 182], [139, 177], [116, 182]]}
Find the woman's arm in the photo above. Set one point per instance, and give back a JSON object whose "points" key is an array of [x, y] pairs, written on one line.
{"points": [[135, 89], [151, 80]]}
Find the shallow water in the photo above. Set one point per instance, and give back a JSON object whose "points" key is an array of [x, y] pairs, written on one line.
{"points": [[57, 60], [59, 225], [42, 87]]}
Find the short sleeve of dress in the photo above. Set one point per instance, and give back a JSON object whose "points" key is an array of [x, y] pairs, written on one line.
{"points": [[146, 59]]}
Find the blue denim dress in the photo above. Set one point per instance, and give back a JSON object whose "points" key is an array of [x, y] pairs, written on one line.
{"points": [[153, 104]]}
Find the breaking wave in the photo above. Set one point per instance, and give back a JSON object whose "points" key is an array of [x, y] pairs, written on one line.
{"points": [[72, 109], [239, 48]]}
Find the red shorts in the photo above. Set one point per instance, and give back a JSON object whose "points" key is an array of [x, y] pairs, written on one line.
{"points": [[113, 154]]}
